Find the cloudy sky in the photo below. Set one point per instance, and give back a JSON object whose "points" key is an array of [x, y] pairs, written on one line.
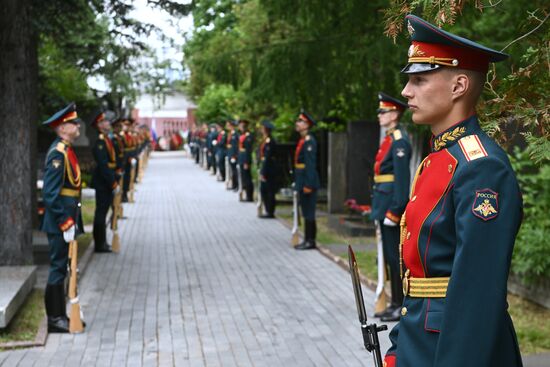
{"points": [[171, 27]]}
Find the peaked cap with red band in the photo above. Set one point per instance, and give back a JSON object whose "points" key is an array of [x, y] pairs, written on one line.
{"points": [[98, 116], [68, 114], [307, 118], [433, 48], [388, 103]]}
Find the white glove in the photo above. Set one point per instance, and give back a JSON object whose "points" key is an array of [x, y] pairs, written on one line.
{"points": [[116, 191], [389, 223], [68, 235]]}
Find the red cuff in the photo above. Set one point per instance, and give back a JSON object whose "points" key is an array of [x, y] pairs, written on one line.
{"points": [[66, 224], [394, 218], [390, 360]]}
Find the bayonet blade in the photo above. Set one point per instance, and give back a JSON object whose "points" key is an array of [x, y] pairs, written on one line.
{"points": [[359, 301]]}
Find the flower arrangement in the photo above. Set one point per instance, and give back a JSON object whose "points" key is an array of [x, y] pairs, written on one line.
{"points": [[353, 207]]}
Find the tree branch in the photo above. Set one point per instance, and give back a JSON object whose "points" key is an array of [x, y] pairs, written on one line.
{"points": [[526, 34]]}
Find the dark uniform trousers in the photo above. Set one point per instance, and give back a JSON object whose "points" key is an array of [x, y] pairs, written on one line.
{"points": [[234, 174], [248, 186], [59, 254], [308, 204], [103, 200], [390, 247], [267, 190]]}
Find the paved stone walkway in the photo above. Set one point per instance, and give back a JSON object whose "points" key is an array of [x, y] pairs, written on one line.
{"points": [[201, 281]]}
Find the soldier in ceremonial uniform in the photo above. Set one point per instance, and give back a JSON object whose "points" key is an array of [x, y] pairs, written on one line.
{"points": [[465, 209], [246, 140], [232, 151], [211, 146], [221, 151], [117, 137], [391, 193], [306, 178], [128, 154], [104, 179], [268, 170], [62, 220]]}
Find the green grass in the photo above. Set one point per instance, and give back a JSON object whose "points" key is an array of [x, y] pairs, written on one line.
{"points": [[532, 323], [88, 209], [366, 260], [84, 241], [25, 324]]}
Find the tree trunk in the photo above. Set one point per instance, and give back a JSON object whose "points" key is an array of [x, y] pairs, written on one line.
{"points": [[18, 66]]}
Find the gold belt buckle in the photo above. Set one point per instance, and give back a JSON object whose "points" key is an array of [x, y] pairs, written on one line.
{"points": [[406, 282]]}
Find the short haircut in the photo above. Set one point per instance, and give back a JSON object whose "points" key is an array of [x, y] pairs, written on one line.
{"points": [[476, 85]]}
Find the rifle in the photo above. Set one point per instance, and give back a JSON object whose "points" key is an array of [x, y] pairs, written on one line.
{"points": [[239, 174], [259, 203], [117, 200], [370, 331], [132, 178], [228, 173], [380, 297], [75, 324], [295, 240]]}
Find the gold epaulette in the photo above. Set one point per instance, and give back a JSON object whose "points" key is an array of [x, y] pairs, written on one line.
{"points": [[60, 147], [472, 148], [397, 134]]}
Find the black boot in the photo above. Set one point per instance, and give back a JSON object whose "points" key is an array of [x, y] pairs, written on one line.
{"points": [[309, 242], [306, 233], [54, 298]]}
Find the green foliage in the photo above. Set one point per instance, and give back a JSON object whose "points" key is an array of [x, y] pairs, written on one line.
{"points": [[326, 57], [532, 253], [94, 38], [218, 103], [60, 77]]}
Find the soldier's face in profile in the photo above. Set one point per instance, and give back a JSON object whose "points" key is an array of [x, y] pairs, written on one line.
{"points": [[104, 126], [301, 125], [429, 96], [386, 118], [71, 130]]}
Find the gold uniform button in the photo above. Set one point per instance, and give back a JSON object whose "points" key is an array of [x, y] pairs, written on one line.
{"points": [[450, 168], [428, 163], [403, 311], [413, 198], [408, 235]]}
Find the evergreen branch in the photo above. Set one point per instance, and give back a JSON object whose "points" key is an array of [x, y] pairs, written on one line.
{"points": [[526, 34]]}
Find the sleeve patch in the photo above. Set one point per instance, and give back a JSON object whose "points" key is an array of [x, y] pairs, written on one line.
{"points": [[56, 163], [485, 204], [400, 152], [472, 148]]}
